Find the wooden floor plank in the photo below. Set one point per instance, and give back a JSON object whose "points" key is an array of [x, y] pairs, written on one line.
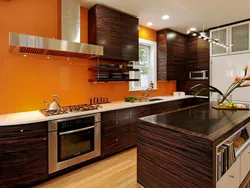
{"points": [[118, 171]]}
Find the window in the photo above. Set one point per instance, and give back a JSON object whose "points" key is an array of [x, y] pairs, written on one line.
{"points": [[147, 66]]}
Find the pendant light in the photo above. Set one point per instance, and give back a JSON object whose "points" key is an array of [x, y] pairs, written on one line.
{"points": [[202, 35]]}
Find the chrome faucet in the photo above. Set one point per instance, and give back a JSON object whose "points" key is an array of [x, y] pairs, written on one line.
{"points": [[145, 94]]}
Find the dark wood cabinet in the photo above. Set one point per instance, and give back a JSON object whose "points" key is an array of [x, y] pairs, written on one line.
{"points": [[135, 114], [198, 54], [198, 59], [171, 55], [115, 31], [115, 132], [129, 38], [23, 154]]}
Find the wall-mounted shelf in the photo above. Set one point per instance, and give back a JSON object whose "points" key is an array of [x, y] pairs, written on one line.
{"points": [[110, 69], [113, 80]]}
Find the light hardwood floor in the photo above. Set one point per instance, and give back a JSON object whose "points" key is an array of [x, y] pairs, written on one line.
{"points": [[118, 171]]}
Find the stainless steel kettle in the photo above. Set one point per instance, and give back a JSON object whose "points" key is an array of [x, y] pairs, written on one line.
{"points": [[55, 104]]}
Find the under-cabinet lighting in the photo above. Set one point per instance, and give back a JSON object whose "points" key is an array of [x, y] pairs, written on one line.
{"points": [[206, 38]]}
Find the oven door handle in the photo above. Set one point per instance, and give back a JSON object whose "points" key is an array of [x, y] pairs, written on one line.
{"points": [[78, 130]]}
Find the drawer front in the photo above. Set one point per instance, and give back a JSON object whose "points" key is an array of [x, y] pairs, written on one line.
{"points": [[115, 114], [23, 155], [110, 127], [112, 145], [115, 142], [158, 108], [23, 131], [23, 137], [244, 164], [232, 177], [139, 112]]}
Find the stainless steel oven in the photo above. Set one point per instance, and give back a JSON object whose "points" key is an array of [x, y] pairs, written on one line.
{"points": [[73, 140], [199, 75]]}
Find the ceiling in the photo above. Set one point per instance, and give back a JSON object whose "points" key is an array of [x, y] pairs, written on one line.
{"points": [[183, 14]]}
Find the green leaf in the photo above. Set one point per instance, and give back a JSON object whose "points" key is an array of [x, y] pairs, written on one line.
{"points": [[197, 85], [204, 89], [217, 90]]}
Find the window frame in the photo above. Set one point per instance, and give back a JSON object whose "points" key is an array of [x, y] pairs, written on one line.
{"points": [[152, 63]]}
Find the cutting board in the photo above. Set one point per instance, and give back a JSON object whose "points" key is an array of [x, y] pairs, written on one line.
{"points": [[217, 107]]}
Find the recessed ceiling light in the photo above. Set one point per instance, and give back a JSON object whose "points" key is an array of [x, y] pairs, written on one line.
{"points": [[149, 24], [192, 29], [165, 17]]}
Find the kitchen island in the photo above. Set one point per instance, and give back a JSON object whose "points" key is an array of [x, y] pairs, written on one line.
{"points": [[179, 149]]}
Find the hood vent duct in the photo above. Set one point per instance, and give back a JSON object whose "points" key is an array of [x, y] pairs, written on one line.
{"points": [[69, 46]]}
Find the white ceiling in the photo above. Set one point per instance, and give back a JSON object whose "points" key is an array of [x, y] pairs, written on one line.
{"points": [[183, 13]]}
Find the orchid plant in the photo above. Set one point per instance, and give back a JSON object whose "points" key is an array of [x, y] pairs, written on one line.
{"points": [[239, 82]]}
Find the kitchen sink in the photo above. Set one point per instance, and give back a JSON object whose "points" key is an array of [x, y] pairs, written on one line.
{"points": [[155, 99]]}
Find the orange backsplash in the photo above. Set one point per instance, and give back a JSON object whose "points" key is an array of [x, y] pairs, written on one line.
{"points": [[27, 81]]}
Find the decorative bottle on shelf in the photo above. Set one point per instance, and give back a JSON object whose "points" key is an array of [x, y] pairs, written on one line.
{"points": [[151, 85]]}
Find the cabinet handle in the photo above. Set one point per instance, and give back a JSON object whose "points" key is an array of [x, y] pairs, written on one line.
{"points": [[44, 139], [116, 140], [141, 109], [116, 113], [21, 131], [116, 122], [231, 176]]}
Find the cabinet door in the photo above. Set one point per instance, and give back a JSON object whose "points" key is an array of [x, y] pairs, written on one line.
{"points": [[135, 114], [161, 55], [221, 35], [239, 38], [244, 164], [176, 55], [23, 154], [108, 30], [129, 38], [232, 177], [115, 133]]}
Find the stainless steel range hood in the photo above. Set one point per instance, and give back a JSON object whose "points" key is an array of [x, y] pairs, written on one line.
{"points": [[69, 46]]}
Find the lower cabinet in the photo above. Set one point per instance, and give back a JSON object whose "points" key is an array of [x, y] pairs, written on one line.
{"points": [[232, 177], [135, 114], [244, 164], [115, 132], [23, 154], [237, 173]]}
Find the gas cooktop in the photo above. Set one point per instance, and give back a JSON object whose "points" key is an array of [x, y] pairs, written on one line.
{"points": [[70, 109]]}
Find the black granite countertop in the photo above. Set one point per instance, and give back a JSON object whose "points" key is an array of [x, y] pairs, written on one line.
{"points": [[203, 121]]}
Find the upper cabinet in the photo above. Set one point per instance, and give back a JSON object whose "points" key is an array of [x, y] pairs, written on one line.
{"points": [[171, 55], [198, 54], [115, 31], [236, 37], [239, 38], [220, 35]]}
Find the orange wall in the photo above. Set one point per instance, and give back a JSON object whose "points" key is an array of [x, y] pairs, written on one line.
{"points": [[27, 81], [147, 33]]}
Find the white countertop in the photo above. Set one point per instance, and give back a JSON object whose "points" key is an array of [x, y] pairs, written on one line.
{"points": [[36, 116]]}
